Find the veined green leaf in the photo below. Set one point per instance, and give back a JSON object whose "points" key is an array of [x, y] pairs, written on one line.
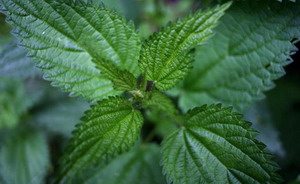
{"points": [[160, 101], [114, 4], [24, 157], [250, 48], [110, 127], [216, 146], [166, 56], [14, 63], [138, 166], [64, 36], [121, 79]]}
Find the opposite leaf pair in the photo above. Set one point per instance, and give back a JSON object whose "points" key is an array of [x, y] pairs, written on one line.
{"points": [[69, 38], [113, 125]]}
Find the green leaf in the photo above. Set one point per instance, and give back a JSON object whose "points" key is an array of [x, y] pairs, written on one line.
{"points": [[5, 37], [61, 116], [114, 4], [164, 124], [14, 63], [14, 102], [122, 79], [24, 157], [166, 57], [250, 48], [139, 166], [215, 145], [110, 127], [64, 37], [161, 102]]}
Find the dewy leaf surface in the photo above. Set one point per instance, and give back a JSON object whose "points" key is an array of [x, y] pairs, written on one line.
{"points": [[110, 127], [250, 48], [24, 157], [216, 146], [139, 166], [166, 56], [64, 37]]}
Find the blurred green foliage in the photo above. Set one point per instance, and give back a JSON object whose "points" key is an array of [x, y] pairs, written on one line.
{"points": [[34, 115]]}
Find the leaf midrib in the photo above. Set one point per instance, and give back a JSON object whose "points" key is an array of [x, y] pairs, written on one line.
{"points": [[172, 54], [71, 39], [242, 54], [227, 168], [96, 146]]}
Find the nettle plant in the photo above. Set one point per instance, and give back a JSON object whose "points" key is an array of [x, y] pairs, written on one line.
{"points": [[93, 52]]}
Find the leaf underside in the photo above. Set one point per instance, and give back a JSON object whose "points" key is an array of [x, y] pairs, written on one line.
{"points": [[216, 146], [109, 128], [63, 36], [166, 56], [251, 46]]}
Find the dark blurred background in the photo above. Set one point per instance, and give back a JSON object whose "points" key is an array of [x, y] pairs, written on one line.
{"points": [[284, 105]]}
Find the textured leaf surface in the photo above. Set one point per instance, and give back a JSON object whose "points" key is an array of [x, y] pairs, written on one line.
{"points": [[114, 4], [161, 102], [166, 56], [121, 79], [24, 158], [139, 166], [109, 128], [216, 146], [14, 63], [248, 51], [64, 36]]}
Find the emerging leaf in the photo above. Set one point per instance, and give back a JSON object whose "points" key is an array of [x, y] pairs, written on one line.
{"points": [[248, 52], [216, 146], [64, 37], [110, 127], [161, 102], [121, 79], [166, 56], [24, 157]]}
